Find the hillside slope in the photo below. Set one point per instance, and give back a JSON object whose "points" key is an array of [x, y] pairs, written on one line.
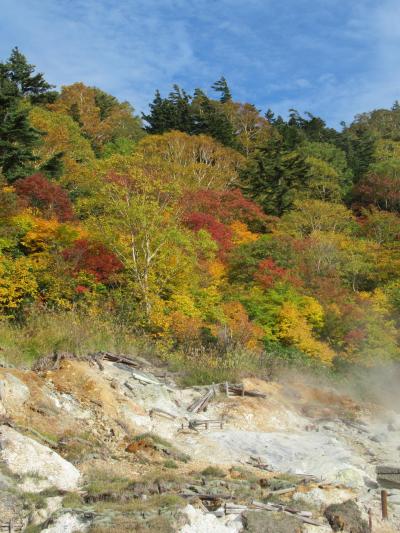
{"points": [[96, 445]]}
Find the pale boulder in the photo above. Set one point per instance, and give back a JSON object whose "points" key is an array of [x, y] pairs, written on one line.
{"points": [[66, 523], [39, 465], [13, 393]]}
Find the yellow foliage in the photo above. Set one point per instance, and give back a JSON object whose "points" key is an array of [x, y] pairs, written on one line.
{"points": [[241, 329], [62, 135], [159, 319], [313, 311], [294, 329], [23, 222], [217, 270], [241, 233], [378, 299], [185, 304], [17, 283], [41, 236], [192, 161]]}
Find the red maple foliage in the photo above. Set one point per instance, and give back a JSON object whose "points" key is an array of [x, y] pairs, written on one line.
{"points": [[221, 234], [225, 206], [80, 289], [94, 258], [37, 191], [355, 337], [381, 191], [269, 273]]}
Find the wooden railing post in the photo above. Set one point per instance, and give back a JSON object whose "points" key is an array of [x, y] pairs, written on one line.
{"points": [[384, 504]]}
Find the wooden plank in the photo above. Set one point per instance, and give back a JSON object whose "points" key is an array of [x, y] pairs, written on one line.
{"points": [[383, 469], [201, 403], [161, 412]]}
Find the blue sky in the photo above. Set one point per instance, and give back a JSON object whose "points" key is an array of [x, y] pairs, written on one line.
{"points": [[334, 58]]}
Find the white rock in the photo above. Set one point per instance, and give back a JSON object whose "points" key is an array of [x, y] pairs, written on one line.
{"points": [[26, 457], [5, 482], [67, 403], [13, 393], [324, 497], [314, 453], [308, 528], [141, 422], [66, 523], [200, 522], [350, 477]]}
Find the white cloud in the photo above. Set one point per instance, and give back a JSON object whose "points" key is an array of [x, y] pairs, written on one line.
{"points": [[330, 57]]}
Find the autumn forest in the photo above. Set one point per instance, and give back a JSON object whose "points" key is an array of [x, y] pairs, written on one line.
{"points": [[222, 234]]}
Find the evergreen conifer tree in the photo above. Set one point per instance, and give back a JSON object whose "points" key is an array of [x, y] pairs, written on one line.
{"points": [[274, 176], [221, 86], [17, 137], [28, 84]]}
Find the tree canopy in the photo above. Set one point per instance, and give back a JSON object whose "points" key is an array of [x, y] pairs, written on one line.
{"points": [[211, 227]]}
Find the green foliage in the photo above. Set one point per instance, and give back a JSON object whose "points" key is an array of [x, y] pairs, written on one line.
{"points": [[17, 137], [221, 86], [21, 75], [197, 114], [275, 176]]}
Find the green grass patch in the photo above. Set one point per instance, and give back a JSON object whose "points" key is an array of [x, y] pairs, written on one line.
{"points": [[156, 502], [42, 333], [72, 500], [213, 472], [170, 463]]}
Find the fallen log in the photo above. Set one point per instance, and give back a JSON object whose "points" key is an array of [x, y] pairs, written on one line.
{"points": [[232, 505], [146, 380], [108, 356], [388, 475], [257, 463], [207, 497], [239, 390], [355, 425], [385, 469], [301, 515], [232, 508], [282, 491]]}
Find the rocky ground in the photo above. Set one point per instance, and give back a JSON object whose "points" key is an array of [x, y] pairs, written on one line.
{"points": [[101, 445]]}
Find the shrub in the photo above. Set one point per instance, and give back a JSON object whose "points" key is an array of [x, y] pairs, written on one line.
{"points": [[94, 258], [47, 196]]}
